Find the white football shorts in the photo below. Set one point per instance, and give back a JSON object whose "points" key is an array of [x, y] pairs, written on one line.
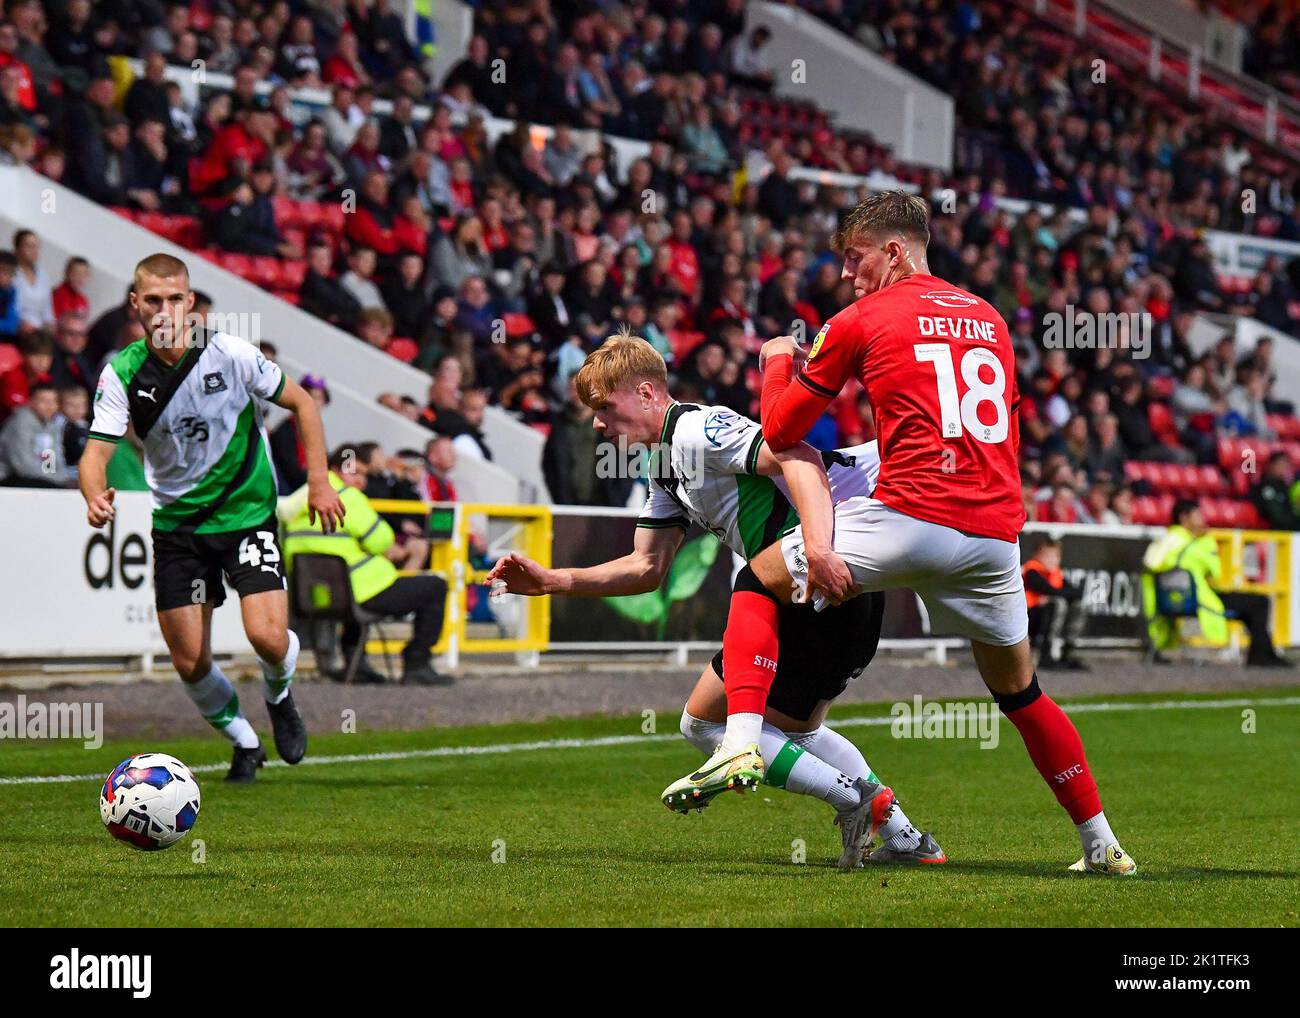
{"points": [[971, 585]]}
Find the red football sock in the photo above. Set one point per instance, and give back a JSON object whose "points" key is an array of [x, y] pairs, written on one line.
{"points": [[1057, 751], [749, 650]]}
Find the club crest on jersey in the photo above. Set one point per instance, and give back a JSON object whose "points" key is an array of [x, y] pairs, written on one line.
{"points": [[716, 423], [950, 299], [213, 382], [817, 341]]}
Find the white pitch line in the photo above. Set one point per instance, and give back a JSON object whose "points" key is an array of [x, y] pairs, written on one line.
{"points": [[630, 740]]}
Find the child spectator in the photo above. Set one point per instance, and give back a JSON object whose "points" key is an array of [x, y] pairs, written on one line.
{"points": [[70, 295], [16, 384]]}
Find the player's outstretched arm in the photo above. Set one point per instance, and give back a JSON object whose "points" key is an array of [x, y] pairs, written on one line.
{"points": [[643, 570], [810, 490], [92, 474], [322, 499]]}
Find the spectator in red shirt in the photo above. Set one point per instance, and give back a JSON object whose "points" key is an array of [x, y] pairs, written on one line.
{"points": [[375, 226], [37, 349], [1060, 507], [439, 461], [25, 94], [70, 295], [237, 146]]}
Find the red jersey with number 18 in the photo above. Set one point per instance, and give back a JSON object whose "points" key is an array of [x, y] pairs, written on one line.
{"points": [[939, 370]]}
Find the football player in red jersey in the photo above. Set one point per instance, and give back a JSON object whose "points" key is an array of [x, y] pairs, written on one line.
{"points": [[938, 368]]}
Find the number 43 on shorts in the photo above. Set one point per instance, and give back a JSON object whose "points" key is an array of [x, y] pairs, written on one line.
{"points": [[955, 413], [266, 556]]}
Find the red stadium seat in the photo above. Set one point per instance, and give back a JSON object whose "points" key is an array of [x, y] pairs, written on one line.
{"points": [[1211, 480], [518, 325], [403, 349], [286, 213], [10, 357], [265, 271], [331, 217], [1287, 426], [288, 296], [292, 272], [1161, 419], [239, 264]]}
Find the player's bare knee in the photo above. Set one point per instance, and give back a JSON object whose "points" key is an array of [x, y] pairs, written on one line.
{"points": [[270, 643], [191, 666]]}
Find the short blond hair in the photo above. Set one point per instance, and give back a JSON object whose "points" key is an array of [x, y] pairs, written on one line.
{"points": [[164, 266], [623, 359], [887, 213]]}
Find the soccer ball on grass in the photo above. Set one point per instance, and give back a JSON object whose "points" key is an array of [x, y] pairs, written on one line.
{"points": [[150, 801]]}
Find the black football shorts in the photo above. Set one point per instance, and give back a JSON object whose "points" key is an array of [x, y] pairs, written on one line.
{"points": [[821, 652], [187, 568]]}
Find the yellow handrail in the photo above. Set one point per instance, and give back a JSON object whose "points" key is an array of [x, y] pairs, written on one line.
{"points": [[450, 558]]}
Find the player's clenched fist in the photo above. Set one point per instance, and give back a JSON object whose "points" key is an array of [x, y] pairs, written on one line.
{"points": [[779, 346], [99, 510], [518, 574]]}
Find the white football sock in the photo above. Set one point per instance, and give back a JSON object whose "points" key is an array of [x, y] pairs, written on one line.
{"points": [[798, 771], [743, 730], [218, 702], [897, 831], [792, 767], [804, 778], [1096, 836], [703, 735], [277, 677]]}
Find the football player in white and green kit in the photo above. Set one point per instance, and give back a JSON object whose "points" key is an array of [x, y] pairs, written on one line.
{"points": [[711, 467], [191, 395]]}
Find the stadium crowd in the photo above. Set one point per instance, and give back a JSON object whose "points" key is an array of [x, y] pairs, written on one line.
{"points": [[497, 265]]}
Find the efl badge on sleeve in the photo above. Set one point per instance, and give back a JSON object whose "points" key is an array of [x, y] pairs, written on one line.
{"points": [[817, 342]]}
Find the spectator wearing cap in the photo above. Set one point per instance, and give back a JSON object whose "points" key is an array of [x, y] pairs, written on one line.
{"points": [[287, 452]]}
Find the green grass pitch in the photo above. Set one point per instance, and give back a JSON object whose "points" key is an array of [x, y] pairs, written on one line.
{"points": [[1207, 810]]}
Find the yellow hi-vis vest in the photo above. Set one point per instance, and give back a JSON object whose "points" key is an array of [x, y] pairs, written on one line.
{"points": [[360, 542], [1178, 549]]}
